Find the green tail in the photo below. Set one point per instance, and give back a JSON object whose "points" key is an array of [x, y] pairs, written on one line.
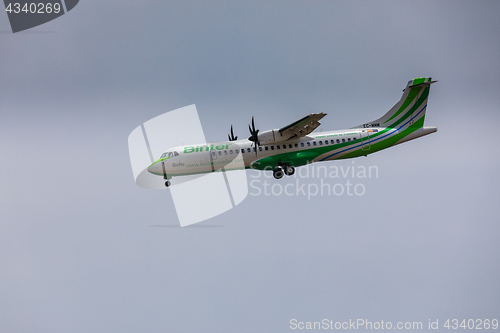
{"points": [[410, 110]]}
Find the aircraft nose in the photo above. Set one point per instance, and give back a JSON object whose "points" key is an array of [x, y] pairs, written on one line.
{"points": [[155, 168]]}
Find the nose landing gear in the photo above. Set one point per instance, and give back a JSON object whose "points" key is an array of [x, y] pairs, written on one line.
{"points": [[167, 183]]}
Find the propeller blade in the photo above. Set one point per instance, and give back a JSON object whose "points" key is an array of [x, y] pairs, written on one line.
{"points": [[232, 137], [254, 135], [232, 134]]}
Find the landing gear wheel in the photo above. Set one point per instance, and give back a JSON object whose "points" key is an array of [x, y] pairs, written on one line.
{"points": [[289, 170], [278, 173], [167, 183]]}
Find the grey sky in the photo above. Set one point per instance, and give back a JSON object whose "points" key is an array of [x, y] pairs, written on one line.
{"points": [[82, 248]]}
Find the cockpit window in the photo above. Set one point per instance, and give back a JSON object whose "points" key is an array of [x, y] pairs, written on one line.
{"points": [[169, 154]]}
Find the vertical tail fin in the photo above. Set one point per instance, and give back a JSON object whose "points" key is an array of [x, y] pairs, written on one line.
{"points": [[410, 110]]}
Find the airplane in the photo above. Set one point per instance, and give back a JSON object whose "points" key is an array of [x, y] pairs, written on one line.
{"points": [[282, 150]]}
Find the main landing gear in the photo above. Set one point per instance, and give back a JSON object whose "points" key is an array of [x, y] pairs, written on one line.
{"points": [[278, 173], [287, 170]]}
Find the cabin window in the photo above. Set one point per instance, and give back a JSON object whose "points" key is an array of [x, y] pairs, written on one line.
{"points": [[290, 145], [225, 152], [254, 149], [343, 140], [272, 147], [284, 146], [353, 139], [314, 143], [349, 139], [296, 145], [248, 150], [266, 148], [176, 153], [231, 151], [302, 144], [260, 148], [331, 141], [278, 147], [243, 151], [308, 143], [321, 143], [219, 152], [338, 141]]}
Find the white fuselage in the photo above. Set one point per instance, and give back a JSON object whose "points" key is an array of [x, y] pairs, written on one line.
{"points": [[203, 158]]}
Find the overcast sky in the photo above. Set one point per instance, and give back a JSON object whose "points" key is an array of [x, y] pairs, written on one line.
{"points": [[83, 249]]}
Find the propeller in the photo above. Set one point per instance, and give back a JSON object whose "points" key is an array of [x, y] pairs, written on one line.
{"points": [[254, 137], [232, 137]]}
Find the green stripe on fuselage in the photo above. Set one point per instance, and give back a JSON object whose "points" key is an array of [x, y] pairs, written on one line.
{"points": [[160, 160], [296, 159], [384, 143]]}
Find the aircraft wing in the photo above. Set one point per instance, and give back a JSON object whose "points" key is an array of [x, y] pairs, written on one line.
{"points": [[302, 126]]}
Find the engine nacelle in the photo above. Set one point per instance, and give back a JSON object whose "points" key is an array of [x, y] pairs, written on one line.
{"points": [[271, 136]]}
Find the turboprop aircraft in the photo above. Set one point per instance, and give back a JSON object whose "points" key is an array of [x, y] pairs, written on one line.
{"points": [[282, 150]]}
